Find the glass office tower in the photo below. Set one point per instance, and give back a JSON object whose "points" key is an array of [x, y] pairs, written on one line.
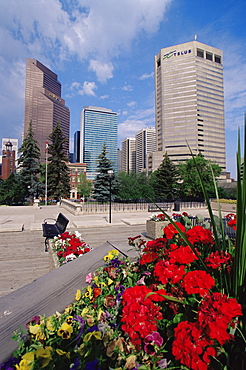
{"points": [[99, 126], [44, 105], [189, 102]]}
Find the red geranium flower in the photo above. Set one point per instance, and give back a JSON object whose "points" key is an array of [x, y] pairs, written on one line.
{"points": [[168, 272], [170, 231], [182, 255], [198, 282], [216, 259], [199, 234]]}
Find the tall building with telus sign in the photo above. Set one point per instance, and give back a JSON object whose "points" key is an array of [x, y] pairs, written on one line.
{"points": [[98, 126], [189, 102], [44, 105]]}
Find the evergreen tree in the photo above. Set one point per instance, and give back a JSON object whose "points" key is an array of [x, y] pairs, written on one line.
{"points": [[165, 180], [101, 190], [29, 163], [12, 190], [58, 171], [190, 185]]}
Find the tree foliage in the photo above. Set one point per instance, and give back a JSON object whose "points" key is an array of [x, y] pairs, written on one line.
{"points": [[58, 171], [29, 163], [101, 190], [165, 180], [190, 186], [12, 190], [84, 186], [134, 186]]}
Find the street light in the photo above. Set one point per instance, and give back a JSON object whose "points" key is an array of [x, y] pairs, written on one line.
{"points": [[110, 173]]}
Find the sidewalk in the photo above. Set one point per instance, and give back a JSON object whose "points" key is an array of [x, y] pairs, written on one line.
{"points": [[20, 218]]}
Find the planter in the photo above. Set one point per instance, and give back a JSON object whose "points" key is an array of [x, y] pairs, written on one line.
{"points": [[154, 229]]}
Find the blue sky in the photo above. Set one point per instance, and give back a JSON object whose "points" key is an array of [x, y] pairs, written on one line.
{"points": [[103, 53]]}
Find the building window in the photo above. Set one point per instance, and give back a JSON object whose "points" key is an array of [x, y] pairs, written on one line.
{"points": [[217, 59], [158, 63], [200, 53], [209, 56]]}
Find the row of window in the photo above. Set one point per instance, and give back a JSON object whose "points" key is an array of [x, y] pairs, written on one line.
{"points": [[209, 56]]}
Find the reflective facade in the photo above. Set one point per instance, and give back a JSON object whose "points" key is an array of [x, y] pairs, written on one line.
{"points": [[99, 126], [44, 105], [189, 97]]}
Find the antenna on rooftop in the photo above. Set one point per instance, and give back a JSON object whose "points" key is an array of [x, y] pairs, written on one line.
{"points": [[195, 37]]}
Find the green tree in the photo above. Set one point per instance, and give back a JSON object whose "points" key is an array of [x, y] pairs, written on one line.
{"points": [[29, 163], [84, 186], [190, 186], [165, 180], [101, 187], [12, 190], [58, 171], [134, 186]]}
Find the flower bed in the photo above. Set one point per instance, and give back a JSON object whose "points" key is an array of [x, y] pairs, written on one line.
{"points": [[167, 310], [69, 246]]}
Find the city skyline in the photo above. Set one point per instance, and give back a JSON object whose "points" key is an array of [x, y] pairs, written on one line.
{"points": [[112, 65]]}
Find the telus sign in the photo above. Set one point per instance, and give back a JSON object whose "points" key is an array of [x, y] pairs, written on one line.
{"points": [[175, 53]]}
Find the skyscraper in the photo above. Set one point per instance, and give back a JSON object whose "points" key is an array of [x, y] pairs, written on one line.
{"points": [[128, 156], [44, 105], [145, 144], [99, 126], [189, 102]]}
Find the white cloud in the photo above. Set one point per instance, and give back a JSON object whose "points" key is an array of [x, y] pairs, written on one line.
{"points": [[127, 88], [103, 97], [75, 85], [139, 120], [104, 71], [132, 104], [88, 89], [145, 76]]}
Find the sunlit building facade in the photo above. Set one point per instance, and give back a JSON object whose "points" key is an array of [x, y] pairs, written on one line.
{"points": [[128, 155], [189, 102], [44, 105], [145, 144], [98, 126]]}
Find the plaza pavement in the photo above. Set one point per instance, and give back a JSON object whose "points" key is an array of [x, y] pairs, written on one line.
{"points": [[22, 255]]}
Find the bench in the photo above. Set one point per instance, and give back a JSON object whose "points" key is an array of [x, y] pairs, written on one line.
{"points": [[55, 229]]}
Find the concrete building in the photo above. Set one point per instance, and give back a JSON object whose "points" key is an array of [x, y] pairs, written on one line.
{"points": [[99, 126], [128, 155], [189, 102], [145, 144], [44, 105]]}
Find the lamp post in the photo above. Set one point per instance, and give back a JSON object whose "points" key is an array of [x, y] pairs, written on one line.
{"points": [[110, 173]]}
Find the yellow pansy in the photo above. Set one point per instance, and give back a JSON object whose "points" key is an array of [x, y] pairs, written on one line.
{"points": [[95, 334], [110, 281], [84, 311], [89, 292], [78, 295], [49, 323], [99, 314], [61, 353], [131, 362], [24, 365], [43, 355], [111, 254], [65, 331], [37, 331]]}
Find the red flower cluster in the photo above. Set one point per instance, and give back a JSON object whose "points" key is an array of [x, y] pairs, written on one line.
{"points": [[190, 347], [161, 217], [153, 250], [216, 313], [198, 282], [168, 272], [139, 315], [182, 255], [216, 259], [170, 231], [72, 245], [199, 234]]}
